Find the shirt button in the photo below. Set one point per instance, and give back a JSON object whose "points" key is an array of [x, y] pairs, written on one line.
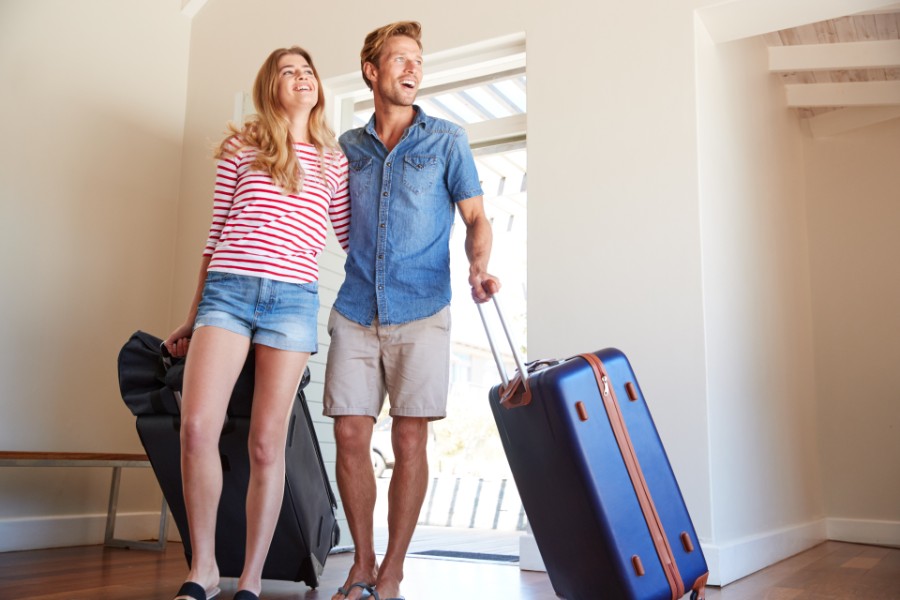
{"points": [[384, 194], [380, 287], [387, 164], [382, 225], [381, 257]]}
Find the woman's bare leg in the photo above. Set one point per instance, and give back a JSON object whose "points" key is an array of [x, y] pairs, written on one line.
{"points": [[214, 362], [278, 374]]}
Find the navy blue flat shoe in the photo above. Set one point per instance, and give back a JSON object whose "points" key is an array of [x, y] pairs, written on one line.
{"points": [[195, 591]]}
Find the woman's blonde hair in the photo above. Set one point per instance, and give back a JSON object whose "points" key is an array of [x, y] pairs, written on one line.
{"points": [[269, 130], [374, 43]]}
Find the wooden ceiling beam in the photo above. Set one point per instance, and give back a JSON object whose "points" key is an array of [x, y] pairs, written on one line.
{"points": [[870, 93], [875, 54]]}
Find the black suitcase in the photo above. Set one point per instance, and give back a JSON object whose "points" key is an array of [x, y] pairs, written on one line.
{"points": [[602, 500], [307, 529]]}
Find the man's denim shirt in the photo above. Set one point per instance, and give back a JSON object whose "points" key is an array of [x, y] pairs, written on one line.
{"points": [[402, 208]]}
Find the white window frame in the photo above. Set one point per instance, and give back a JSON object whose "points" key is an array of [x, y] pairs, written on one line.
{"points": [[443, 71]]}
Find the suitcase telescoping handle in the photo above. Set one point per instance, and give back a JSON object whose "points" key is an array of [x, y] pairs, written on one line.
{"points": [[510, 394]]}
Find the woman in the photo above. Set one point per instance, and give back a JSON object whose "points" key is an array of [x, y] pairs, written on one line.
{"points": [[278, 179]]}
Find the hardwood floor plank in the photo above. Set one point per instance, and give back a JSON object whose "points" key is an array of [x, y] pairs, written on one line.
{"points": [[830, 571]]}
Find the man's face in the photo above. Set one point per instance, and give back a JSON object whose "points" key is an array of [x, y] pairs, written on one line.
{"points": [[397, 77]]}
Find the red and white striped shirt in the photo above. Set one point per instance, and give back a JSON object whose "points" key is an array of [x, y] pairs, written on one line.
{"points": [[259, 230]]}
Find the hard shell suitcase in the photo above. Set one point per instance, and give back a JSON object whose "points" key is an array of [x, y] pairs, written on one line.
{"points": [[307, 529], [603, 503]]}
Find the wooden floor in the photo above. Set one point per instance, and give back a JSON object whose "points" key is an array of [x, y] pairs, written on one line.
{"points": [[832, 570]]}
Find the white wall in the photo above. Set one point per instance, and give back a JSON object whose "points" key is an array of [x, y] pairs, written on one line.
{"points": [[766, 487], [93, 121], [853, 184], [614, 238]]}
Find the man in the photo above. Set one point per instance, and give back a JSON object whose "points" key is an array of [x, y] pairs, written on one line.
{"points": [[390, 326]]}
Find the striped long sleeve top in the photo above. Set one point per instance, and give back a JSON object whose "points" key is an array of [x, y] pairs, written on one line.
{"points": [[259, 230]]}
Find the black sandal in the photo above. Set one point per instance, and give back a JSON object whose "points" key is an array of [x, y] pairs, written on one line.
{"points": [[196, 592]]}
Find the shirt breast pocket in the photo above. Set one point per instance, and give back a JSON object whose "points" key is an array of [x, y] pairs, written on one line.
{"points": [[360, 177], [420, 172]]}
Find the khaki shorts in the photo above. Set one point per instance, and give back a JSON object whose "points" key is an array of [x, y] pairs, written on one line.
{"points": [[409, 362]]}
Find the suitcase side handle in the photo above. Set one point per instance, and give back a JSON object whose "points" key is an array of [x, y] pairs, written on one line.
{"points": [[509, 391], [167, 364]]}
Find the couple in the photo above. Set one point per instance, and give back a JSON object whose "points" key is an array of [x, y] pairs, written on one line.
{"points": [[278, 179]]}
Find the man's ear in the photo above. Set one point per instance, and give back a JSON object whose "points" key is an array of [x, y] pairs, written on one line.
{"points": [[371, 71]]}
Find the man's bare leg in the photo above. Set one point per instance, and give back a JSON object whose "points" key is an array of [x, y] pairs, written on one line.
{"points": [[406, 494], [356, 483]]}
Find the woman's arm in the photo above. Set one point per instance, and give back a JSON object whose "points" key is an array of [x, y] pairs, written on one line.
{"points": [[178, 341]]}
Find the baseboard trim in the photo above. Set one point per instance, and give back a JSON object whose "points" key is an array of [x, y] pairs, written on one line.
{"points": [[864, 531], [36, 533], [529, 555], [734, 560], [727, 562]]}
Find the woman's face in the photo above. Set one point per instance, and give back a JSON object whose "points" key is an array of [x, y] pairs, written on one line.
{"points": [[297, 85]]}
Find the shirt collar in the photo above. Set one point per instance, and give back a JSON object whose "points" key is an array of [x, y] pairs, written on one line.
{"points": [[419, 119]]}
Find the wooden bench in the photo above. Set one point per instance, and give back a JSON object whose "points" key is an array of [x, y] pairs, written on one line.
{"points": [[96, 459]]}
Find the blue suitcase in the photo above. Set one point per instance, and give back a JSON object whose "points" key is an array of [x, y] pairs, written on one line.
{"points": [[602, 500]]}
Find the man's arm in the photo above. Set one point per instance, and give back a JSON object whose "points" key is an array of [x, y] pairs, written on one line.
{"points": [[478, 248]]}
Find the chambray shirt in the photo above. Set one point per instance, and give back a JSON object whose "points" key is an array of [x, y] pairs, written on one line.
{"points": [[402, 208]]}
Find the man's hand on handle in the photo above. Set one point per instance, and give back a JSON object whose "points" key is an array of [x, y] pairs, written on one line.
{"points": [[484, 285]]}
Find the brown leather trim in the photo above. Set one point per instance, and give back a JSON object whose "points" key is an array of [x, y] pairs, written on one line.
{"points": [[581, 409], [631, 390], [517, 393], [686, 542], [642, 490], [638, 565], [700, 586]]}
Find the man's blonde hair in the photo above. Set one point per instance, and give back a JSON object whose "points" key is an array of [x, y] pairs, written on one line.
{"points": [[372, 47]]}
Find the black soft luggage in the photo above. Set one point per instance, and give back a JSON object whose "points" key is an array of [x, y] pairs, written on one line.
{"points": [[602, 500], [307, 529]]}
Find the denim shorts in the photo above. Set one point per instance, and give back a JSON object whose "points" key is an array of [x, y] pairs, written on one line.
{"points": [[272, 313]]}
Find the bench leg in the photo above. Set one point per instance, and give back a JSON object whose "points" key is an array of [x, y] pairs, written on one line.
{"points": [[113, 505], [163, 524], [109, 539]]}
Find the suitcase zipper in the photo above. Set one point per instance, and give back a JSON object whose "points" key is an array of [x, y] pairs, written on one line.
{"points": [[642, 490]]}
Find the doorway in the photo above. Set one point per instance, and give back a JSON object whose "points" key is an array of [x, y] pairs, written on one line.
{"points": [[471, 505]]}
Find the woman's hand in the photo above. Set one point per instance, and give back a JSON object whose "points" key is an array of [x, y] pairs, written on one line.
{"points": [[178, 341]]}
